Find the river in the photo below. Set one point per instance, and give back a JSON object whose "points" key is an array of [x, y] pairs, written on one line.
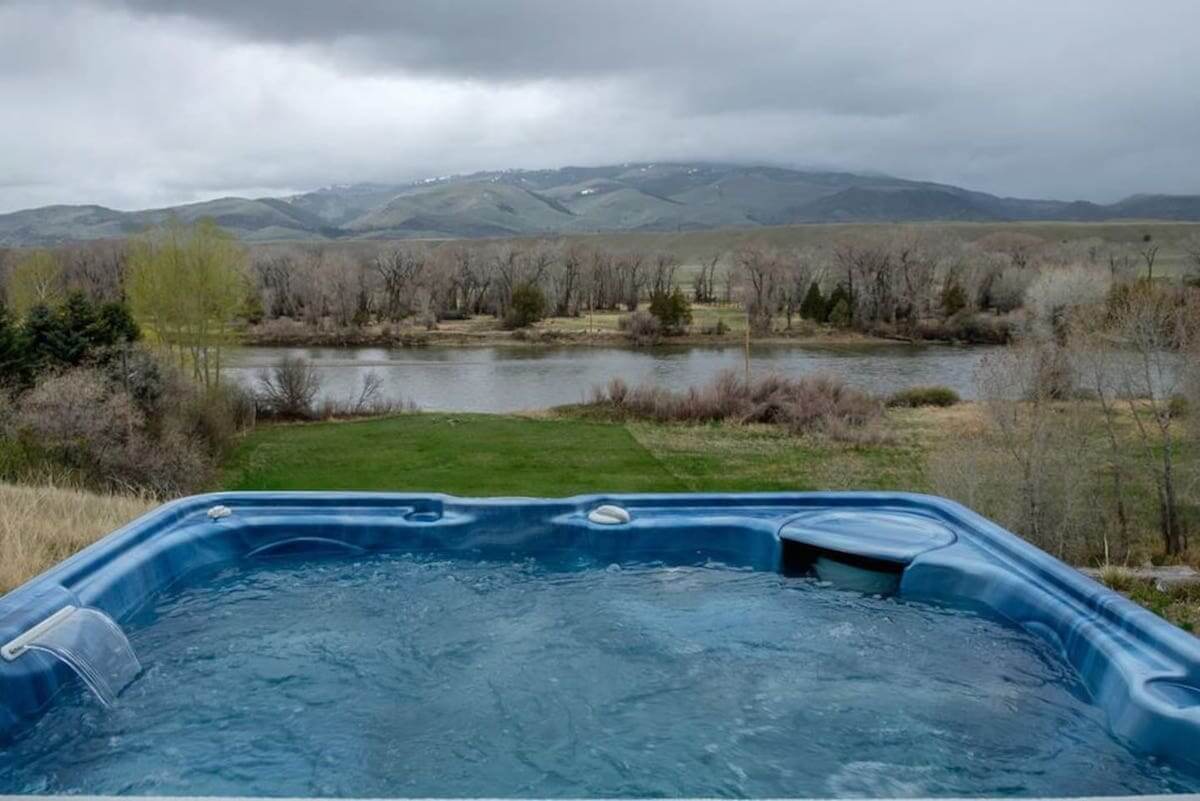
{"points": [[508, 379]]}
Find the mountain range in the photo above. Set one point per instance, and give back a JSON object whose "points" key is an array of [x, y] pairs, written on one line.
{"points": [[626, 197]]}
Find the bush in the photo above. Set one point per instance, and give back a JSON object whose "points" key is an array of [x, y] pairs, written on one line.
{"points": [[1178, 406], [642, 328], [839, 314], [1054, 293], [838, 307], [967, 326], [672, 309], [924, 396], [289, 389], [810, 403], [1007, 289], [77, 421], [954, 299], [528, 306]]}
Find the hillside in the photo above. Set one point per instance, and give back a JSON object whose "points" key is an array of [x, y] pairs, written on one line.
{"points": [[622, 198]]}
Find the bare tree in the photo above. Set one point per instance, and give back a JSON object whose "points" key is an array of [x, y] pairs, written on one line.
{"points": [[799, 270], [603, 289], [1021, 249], [1161, 333], [566, 279], [631, 278], [96, 268], [1191, 249], [507, 264], [289, 388], [760, 269], [1033, 432], [1095, 359], [704, 285], [400, 270], [662, 276], [1149, 252], [1122, 267]]}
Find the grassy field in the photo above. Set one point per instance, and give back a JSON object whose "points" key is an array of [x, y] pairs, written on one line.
{"points": [[495, 455]]}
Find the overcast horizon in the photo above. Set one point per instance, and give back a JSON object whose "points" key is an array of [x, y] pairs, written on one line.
{"points": [[144, 103]]}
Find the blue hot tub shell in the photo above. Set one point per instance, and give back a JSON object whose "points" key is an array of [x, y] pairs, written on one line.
{"points": [[1143, 672]]}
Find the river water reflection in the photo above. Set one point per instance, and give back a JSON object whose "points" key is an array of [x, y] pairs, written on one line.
{"points": [[507, 379]]}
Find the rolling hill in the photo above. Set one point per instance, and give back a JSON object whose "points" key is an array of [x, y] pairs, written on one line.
{"points": [[627, 197]]}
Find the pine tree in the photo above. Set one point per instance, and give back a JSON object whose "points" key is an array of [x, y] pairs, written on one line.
{"points": [[45, 343], [14, 352], [839, 297], [813, 306], [78, 329]]}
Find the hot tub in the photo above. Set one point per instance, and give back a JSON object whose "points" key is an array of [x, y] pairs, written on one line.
{"points": [[748, 645]]}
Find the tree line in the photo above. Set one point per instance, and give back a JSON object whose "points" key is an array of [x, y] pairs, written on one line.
{"points": [[905, 283]]}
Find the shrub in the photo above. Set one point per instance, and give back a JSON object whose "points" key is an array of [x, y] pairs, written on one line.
{"points": [[839, 314], [252, 310], [1007, 289], [924, 396], [672, 310], [954, 299], [838, 307], [527, 307], [79, 422], [1178, 406], [140, 375], [1054, 293], [807, 404], [642, 328], [210, 418], [289, 389], [967, 326]]}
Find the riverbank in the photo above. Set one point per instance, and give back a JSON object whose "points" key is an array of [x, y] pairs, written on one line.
{"points": [[712, 325]]}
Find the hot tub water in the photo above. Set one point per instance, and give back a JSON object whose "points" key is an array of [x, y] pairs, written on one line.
{"points": [[429, 675]]}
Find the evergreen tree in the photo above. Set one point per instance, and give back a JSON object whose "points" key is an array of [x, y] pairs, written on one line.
{"points": [[672, 309], [14, 352], [839, 296], [839, 315], [45, 343], [78, 327], [115, 326], [528, 306], [813, 306]]}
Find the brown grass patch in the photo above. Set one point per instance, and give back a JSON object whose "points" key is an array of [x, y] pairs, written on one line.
{"points": [[40, 526]]}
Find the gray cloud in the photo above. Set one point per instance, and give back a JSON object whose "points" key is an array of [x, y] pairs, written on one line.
{"points": [[135, 102]]}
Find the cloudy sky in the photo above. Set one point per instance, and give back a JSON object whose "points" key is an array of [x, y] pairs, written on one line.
{"points": [[137, 103]]}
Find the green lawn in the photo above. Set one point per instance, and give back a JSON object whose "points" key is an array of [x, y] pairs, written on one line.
{"points": [[473, 454], [463, 454]]}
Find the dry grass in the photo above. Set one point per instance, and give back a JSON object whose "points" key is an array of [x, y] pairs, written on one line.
{"points": [[40, 526]]}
